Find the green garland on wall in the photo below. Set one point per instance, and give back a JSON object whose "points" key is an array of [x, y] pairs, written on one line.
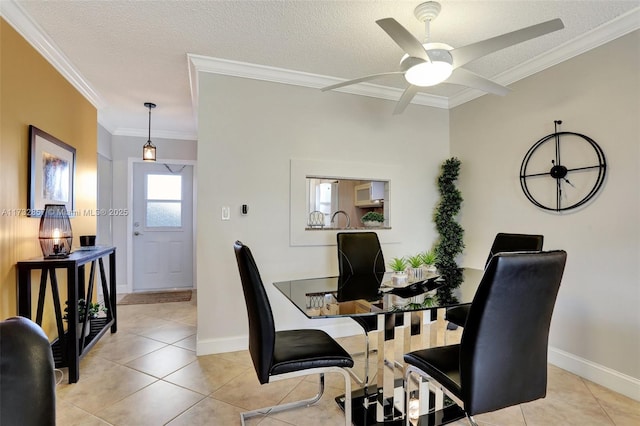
{"points": [[450, 243]]}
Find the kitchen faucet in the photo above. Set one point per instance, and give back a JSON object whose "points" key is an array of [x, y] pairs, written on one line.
{"points": [[333, 216]]}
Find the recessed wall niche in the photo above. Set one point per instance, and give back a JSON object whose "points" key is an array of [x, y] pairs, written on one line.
{"points": [[301, 234]]}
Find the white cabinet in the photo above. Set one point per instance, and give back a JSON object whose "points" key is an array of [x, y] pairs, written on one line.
{"points": [[369, 194]]}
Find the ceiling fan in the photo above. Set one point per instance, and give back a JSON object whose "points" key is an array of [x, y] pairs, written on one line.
{"points": [[428, 64]]}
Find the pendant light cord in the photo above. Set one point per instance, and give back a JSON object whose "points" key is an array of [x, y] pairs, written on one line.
{"points": [[149, 139]]}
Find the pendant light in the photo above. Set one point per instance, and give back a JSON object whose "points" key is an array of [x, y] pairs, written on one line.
{"points": [[149, 149]]}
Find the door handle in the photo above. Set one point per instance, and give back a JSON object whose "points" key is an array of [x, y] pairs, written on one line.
{"points": [[136, 233]]}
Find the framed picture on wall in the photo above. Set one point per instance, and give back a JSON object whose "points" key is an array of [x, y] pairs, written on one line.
{"points": [[52, 168]]}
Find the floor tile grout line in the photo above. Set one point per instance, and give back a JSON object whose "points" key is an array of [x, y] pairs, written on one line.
{"points": [[160, 378], [609, 414], [524, 418], [604, 409], [123, 398], [187, 409]]}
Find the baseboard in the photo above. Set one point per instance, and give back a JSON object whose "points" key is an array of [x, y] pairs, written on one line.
{"points": [[604, 376], [218, 346], [611, 379], [240, 343]]}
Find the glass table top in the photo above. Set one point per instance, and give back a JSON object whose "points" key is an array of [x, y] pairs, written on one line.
{"points": [[373, 294]]}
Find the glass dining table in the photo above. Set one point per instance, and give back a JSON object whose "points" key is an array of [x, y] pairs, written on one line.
{"points": [[377, 296]]}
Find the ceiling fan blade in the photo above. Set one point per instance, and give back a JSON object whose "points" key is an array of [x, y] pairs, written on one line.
{"points": [[404, 100], [467, 78], [359, 80], [403, 38], [471, 52]]}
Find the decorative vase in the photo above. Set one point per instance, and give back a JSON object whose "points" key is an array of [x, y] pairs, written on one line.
{"points": [[415, 274], [371, 224], [398, 279], [429, 270]]}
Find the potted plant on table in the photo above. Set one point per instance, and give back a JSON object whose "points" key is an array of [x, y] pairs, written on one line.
{"points": [[92, 309], [372, 219], [398, 265], [415, 267], [429, 259]]}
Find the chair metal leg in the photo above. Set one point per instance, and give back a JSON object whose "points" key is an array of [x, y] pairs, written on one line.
{"points": [[472, 422], [366, 358], [367, 350], [407, 397], [411, 369], [282, 407], [306, 402]]}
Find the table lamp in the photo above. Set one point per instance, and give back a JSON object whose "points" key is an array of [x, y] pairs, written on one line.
{"points": [[55, 232]]}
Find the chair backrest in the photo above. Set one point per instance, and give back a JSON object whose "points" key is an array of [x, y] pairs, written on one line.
{"points": [[359, 253], [27, 379], [504, 242], [362, 286], [503, 352], [262, 333]]}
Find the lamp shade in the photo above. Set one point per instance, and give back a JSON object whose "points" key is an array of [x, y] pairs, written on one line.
{"points": [[428, 73], [55, 231], [149, 152]]}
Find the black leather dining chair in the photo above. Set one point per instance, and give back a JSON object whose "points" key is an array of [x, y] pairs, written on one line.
{"points": [[27, 378], [502, 243], [360, 255], [502, 358], [288, 353]]}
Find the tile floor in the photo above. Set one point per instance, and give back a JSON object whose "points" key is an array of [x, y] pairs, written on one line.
{"points": [[148, 374]]}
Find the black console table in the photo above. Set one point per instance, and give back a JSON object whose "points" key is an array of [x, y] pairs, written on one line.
{"points": [[68, 349]]}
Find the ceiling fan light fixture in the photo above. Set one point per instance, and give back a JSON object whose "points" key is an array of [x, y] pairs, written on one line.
{"points": [[428, 73], [425, 74], [428, 64]]}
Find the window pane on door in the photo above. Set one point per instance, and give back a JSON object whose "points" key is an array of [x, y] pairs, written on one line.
{"points": [[164, 200], [164, 214], [164, 187]]}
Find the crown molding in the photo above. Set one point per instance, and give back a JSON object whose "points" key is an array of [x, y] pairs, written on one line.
{"points": [[605, 33], [18, 18], [199, 63], [622, 25]]}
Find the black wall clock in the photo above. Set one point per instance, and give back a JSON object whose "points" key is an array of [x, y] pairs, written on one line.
{"points": [[562, 170]]}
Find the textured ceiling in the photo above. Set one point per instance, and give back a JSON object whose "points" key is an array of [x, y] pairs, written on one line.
{"points": [[131, 52]]}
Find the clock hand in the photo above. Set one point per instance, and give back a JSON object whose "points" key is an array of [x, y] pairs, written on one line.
{"points": [[560, 176]]}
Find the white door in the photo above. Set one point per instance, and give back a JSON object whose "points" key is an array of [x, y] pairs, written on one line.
{"points": [[162, 226]]}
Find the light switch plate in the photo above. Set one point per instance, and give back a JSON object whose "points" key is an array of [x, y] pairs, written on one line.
{"points": [[226, 213]]}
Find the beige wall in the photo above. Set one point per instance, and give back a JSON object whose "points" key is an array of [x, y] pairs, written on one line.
{"points": [[597, 319], [248, 133], [33, 92], [248, 141]]}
